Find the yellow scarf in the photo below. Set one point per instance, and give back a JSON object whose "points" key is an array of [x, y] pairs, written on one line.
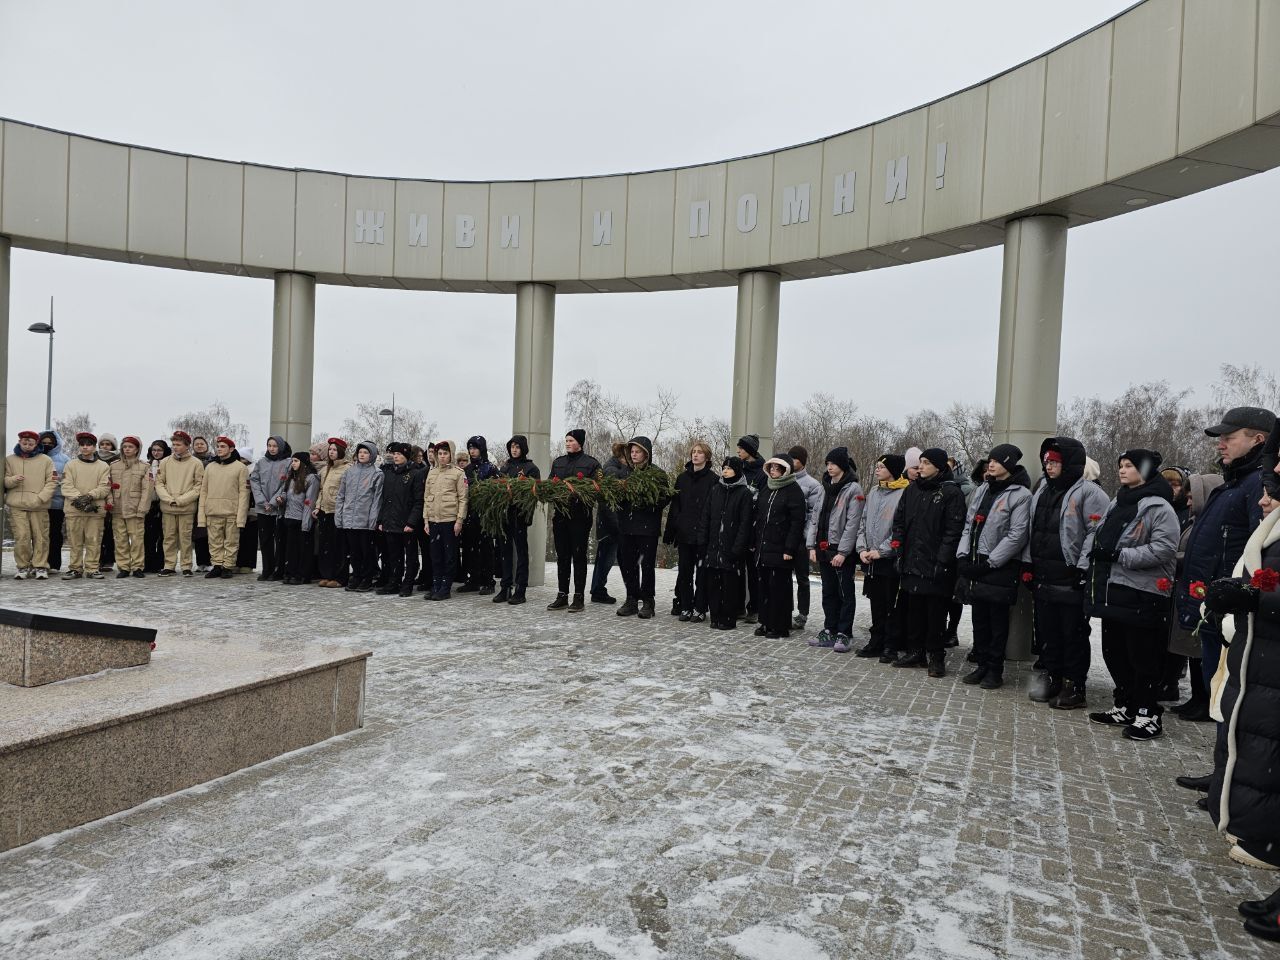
{"points": [[898, 484]]}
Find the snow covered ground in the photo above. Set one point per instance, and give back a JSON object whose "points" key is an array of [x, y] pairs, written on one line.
{"points": [[537, 786]]}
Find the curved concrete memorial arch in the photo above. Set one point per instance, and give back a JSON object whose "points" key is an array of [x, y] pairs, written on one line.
{"points": [[1168, 98]]}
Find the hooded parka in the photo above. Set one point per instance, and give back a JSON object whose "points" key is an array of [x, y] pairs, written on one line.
{"points": [[780, 515], [270, 474], [359, 494], [927, 526], [642, 521]]}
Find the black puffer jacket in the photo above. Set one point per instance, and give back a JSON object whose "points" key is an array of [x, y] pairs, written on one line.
{"points": [[927, 526], [567, 466], [779, 528], [642, 521], [725, 530], [520, 466], [607, 517], [692, 489], [1245, 791], [402, 489]]}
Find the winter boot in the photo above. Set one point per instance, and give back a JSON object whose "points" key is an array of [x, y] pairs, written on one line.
{"points": [[1145, 726], [559, 603], [502, 596], [384, 591], [975, 676], [1070, 697], [602, 596], [1049, 687], [937, 664], [686, 616], [872, 649], [950, 640], [577, 605], [646, 607], [1258, 909], [889, 656], [517, 597], [759, 631], [675, 607], [913, 658], [992, 681], [469, 588], [628, 609], [972, 657]]}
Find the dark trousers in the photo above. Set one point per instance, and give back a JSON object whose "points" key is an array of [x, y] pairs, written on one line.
{"points": [[1210, 646], [478, 547], [691, 592], [442, 555], [926, 622], [839, 597], [886, 612], [802, 583], [247, 554], [297, 549], [571, 534], [724, 595], [1064, 634], [515, 556], [56, 518], [955, 609], [107, 551], [362, 547], [152, 542], [424, 549], [200, 543], [606, 557], [400, 567], [775, 598], [637, 557], [333, 550], [751, 580], [269, 543], [1134, 656], [990, 634]]}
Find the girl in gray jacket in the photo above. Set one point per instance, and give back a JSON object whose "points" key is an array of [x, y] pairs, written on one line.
{"points": [[296, 504], [355, 513], [1130, 559]]}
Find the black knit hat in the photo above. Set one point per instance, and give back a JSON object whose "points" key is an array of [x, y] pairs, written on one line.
{"points": [[397, 447], [1005, 454], [734, 464], [751, 444], [304, 456], [799, 453], [1147, 461], [935, 455], [895, 463], [840, 457], [579, 435]]}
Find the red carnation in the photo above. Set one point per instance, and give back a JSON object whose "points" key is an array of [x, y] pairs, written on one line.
{"points": [[1027, 576], [109, 506], [1265, 580], [1197, 590], [555, 479], [115, 486], [284, 476], [1095, 517], [579, 474], [895, 544], [153, 644], [979, 518], [306, 503], [859, 497], [1164, 584], [824, 544]]}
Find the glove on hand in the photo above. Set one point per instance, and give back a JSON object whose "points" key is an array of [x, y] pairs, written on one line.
{"points": [[1231, 596]]}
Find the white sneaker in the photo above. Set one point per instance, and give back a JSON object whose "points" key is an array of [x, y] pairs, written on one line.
{"points": [[42, 573], [22, 574], [1240, 855]]}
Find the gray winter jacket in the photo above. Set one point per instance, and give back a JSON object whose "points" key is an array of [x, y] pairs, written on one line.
{"points": [[842, 523], [359, 496], [1004, 533], [1085, 499], [268, 478], [812, 491], [1148, 547], [298, 506], [876, 530]]}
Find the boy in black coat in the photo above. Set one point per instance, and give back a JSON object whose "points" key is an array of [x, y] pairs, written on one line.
{"points": [[723, 537], [514, 545]]}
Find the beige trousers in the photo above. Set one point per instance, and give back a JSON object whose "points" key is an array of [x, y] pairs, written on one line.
{"points": [[129, 549], [177, 539], [224, 541], [30, 538], [85, 533]]}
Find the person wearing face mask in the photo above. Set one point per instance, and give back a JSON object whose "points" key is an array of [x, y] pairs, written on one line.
{"points": [[1063, 510], [28, 490], [927, 526], [989, 558], [355, 513], [877, 555], [693, 486], [131, 494], [724, 534], [224, 507], [1244, 792], [832, 539], [778, 540], [267, 482], [1129, 559]]}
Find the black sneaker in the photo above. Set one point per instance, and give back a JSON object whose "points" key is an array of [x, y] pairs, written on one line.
{"points": [[166, 572], [889, 656], [517, 598], [186, 573], [214, 573], [1145, 726], [1070, 698], [138, 574], [560, 602], [992, 681], [916, 659], [750, 617], [1115, 717], [645, 611], [759, 631], [629, 609], [577, 605], [486, 590], [603, 597], [974, 677], [870, 650], [1046, 690], [468, 588], [950, 640], [122, 575], [502, 596]]}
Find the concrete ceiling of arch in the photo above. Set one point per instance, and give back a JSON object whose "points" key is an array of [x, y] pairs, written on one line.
{"points": [[1170, 98]]}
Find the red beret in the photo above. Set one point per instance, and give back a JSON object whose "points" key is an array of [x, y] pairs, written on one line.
{"points": [[134, 440], [338, 442], [181, 435], [28, 435], [86, 438], [227, 440]]}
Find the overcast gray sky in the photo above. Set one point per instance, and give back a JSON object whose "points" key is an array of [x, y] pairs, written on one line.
{"points": [[491, 90]]}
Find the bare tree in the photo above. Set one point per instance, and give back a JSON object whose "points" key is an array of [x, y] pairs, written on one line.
{"points": [[210, 423], [1245, 385], [368, 424], [68, 428]]}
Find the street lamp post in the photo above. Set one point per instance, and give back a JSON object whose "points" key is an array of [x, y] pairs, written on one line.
{"points": [[48, 396], [384, 412]]}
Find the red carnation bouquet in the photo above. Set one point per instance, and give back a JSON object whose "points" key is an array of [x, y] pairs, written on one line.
{"points": [[1164, 584], [1265, 579], [1198, 590], [1095, 517], [979, 518], [895, 544]]}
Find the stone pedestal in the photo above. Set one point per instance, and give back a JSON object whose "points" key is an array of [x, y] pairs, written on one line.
{"points": [[36, 649]]}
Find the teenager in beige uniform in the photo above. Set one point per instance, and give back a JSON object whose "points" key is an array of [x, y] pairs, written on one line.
{"points": [[28, 490], [86, 494], [224, 506], [131, 495], [178, 486]]}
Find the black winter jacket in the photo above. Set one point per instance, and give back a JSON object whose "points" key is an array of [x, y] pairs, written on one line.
{"points": [[927, 525], [567, 466], [522, 467], [726, 527], [606, 517], [685, 516], [780, 516], [402, 489], [641, 521]]}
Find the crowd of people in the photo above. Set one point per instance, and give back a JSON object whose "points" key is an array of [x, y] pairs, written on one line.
{"points": [[1180, 569]]}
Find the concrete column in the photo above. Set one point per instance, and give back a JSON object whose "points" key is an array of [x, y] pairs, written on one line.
{"points": [[293, 342], [531, 398], [4, 360], [1030, 346], [755, 358]]}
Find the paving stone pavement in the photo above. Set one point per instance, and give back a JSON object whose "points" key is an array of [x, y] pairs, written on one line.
{"points": [[546, 785]]}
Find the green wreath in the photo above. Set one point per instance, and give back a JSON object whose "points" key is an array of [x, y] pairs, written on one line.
{"points": [[493, 500]]}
